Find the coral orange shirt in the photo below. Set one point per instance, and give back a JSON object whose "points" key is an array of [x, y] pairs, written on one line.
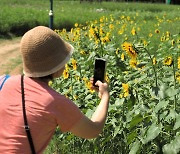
{"points": [[45, 109]]}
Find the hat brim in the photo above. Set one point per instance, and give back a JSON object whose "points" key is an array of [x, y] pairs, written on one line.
{"points": [[53, 70]]}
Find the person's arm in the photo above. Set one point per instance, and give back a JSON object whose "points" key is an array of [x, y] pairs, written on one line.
{"points": [[91, 128]]}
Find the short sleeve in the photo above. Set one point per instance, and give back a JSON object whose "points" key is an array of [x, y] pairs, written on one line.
{"points": [[66, 113]]}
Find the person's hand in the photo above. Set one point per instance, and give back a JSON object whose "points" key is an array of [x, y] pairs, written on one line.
{"points": [[102, 88]]}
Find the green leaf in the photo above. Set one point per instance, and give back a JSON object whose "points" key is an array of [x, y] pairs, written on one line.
{"points": [[119, 102], [152, 133], [177, 123], [131, 137], [88, 97], [172, 115], [135, 147], [89, 113], [117, 130], [137, 119], [173, 147], [160, 105], [171, 92], [112, 108]]}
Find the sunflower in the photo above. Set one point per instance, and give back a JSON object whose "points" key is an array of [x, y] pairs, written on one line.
{"points": [[145, 43], [102, 19], [89, 86], [111, 26], [133, 31], [178, 76], [125, 87], [117, 51], [50, 83], [121, 95], [163, 38], [122, 57], [92, 33], [75, 97], [77, 77], [82, 52], [168, 61], [179, 62], [65, 74], [107, 78], [121, 31], [168, 34], [76, 24], [101, 32], [133, 63], [157, 31], [154, 61], [128, 47], [150, 34], [74, 64], [172, 42], [105, 39]]}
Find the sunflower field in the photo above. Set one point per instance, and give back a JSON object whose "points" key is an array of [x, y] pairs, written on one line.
{"points": [[143, 72]]}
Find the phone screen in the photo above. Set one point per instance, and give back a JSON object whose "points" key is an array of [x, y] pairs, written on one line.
{"points": [[99, 70]]}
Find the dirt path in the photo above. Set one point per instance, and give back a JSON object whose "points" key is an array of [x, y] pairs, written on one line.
{"points": [[10, 58]]}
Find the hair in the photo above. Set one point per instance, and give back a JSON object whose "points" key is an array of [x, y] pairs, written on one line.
{"points": [[48, 77], [45, 78]]}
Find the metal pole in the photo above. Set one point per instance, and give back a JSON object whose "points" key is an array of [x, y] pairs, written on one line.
{"points": [[51, 15]]}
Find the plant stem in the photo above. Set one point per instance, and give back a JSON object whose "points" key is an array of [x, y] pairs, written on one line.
{"points": [[154, 69], [72, 88], [80, 72], [102, 54], [174, 74]]}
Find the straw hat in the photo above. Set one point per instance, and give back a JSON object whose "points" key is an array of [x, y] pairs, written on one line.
{"points": [[43, 52]]}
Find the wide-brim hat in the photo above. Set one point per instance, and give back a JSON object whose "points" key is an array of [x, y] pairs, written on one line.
{"points": [[43, 52]]}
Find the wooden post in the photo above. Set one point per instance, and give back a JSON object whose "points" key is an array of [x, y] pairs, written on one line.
{"points": [[51, 15]]}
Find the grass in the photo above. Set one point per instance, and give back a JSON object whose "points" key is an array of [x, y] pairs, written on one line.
{"points": [[26, 14], [14, 62]]}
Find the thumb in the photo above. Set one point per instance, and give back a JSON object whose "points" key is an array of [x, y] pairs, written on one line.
{"points": [[98, 83], [100, 95]]}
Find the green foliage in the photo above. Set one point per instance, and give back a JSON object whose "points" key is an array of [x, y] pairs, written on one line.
{"points": [[143, 74], [18, 16]]}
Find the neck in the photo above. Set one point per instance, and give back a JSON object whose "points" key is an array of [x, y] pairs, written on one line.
{"points": [[43, 79]]}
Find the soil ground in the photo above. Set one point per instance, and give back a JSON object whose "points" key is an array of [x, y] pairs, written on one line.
{"points": [[10, 58]]}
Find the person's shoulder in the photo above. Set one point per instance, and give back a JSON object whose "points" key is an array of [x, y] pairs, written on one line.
{"points": [[45, 88], [56, 94], [58, 97], [13, 77], [4, 76], [7, 76]]}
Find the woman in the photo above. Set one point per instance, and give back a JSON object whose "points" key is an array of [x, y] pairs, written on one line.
{"points": [[44, 56]]}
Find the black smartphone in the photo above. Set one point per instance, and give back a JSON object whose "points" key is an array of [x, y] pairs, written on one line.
{"points": [[99, 70]]}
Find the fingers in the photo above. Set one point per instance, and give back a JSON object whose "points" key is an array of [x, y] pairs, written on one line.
{"points": [[91, 80], [98, 83], [92, 86]]}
